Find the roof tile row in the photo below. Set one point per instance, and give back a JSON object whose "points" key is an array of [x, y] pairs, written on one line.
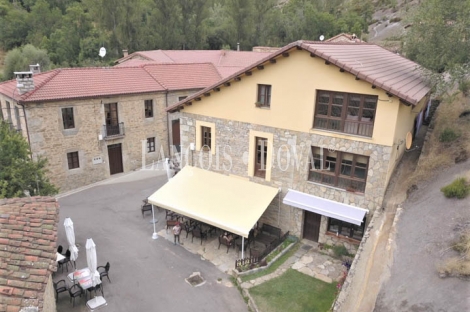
{"points": [[28, 238]]}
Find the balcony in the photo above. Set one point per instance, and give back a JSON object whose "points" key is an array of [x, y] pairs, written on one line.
{"points": [[113, 131]]}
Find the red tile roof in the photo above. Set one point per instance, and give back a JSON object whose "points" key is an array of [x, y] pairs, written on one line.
{"points": [[95, 82], [28, 239], [184, 76], [225, 61], [374, 64]]}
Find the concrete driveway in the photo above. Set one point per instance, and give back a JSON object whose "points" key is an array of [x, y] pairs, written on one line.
{"points": [[146, 274]]}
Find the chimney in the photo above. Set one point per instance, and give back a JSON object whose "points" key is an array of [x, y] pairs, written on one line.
{"points": [[35, 69], [238, 46], [24, 82], [125, 53]]}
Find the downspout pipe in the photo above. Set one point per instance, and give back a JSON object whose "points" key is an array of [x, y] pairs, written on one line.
{"points": [[168, 124], [27, 129]]}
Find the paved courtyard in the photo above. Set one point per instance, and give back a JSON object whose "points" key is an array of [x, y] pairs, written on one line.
{"points": [[146, 274]]}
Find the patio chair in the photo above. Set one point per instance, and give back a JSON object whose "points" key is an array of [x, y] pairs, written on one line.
{"points": [[104, 271], [145, 207], [98, 287], [74, 292], [59, 287], [199, 233], [187, 227], [223, 240], [60, 249], [65, 261]]}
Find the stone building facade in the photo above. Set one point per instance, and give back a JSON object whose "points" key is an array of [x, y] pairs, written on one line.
{"points": [[92, 123], [326, 171], [290, 168]]}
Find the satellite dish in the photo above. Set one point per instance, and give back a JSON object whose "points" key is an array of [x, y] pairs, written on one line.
{"points": [[102, 52], [409, 140], [322, 37]]}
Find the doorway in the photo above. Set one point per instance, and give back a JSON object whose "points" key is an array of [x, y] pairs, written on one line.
{"points": [[175, 131], [115, 158], [312, 226]]}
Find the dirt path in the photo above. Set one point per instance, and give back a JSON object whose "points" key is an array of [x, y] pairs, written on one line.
{"points": [[427, 226], [382, 252]]}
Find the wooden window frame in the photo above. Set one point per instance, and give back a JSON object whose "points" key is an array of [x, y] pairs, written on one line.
{"points": [[151, 145], [259, 167], [329, 168], [73, 160], [148, 106], [355, 115], [347, 229], [68, 118], [206, 138], [264, 96]]}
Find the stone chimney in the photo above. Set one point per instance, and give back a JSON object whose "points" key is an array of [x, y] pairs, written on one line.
{"points": [[35, 69], [24, 82], [125, 53]]}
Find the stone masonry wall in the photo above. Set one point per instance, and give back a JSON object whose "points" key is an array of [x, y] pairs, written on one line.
{"points": [[49, 139], [288, 171]]}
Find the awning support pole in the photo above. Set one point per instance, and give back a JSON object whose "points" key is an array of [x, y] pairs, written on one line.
{"points": [[154, 235], [243, 247], [279, 208]]}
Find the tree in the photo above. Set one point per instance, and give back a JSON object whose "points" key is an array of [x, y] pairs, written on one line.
{"points": [[19, 59], [439, 36], [18, 172]]}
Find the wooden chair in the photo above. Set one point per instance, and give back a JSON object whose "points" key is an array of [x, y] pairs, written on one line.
{"points": [[223, 240], [145, 207], [199, 233]]}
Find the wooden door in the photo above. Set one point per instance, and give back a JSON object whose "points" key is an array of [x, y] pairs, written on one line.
{"points": [[260, 157], [312, 226], [175, 130], [115, 158]]}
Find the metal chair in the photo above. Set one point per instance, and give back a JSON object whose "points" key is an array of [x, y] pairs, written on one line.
{"points": [[98, 287], [74, 292], [60, 286], [104, 271], [65, 261]]}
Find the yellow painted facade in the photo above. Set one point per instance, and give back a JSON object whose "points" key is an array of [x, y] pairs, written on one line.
{"points": [[292, 108]]}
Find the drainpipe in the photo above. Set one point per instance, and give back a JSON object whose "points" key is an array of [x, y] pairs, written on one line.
{"points": [[168, 124], [27, 129]]}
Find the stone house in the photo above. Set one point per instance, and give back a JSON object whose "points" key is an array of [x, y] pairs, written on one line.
{"points": [[28, 239], [325, 122], [91, 123]]}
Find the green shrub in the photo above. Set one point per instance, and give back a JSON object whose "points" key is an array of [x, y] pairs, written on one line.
{"points": [[458, 188], [464, 86], [340, 250], [448, 135]]}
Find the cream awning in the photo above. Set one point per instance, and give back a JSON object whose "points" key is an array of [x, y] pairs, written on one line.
{"points": [[229, 203], [325, 207]]}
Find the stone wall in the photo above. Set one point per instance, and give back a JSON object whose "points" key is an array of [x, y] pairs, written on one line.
{"points": [[49, 139], [289, 169], [49, 304]]}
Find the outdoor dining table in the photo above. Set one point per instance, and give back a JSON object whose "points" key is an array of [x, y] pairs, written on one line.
{"points": [[59, 257], [82, 276]]}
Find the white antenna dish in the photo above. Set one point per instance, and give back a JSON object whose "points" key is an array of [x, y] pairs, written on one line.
{"points": [[409, 140], [322, 38], [102, 52]]}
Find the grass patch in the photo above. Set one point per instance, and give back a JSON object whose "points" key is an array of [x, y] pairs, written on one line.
{"points": [[440, 155], [294, 292], [458, 189], [458, 266], [448, 135], [273, 266]]}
